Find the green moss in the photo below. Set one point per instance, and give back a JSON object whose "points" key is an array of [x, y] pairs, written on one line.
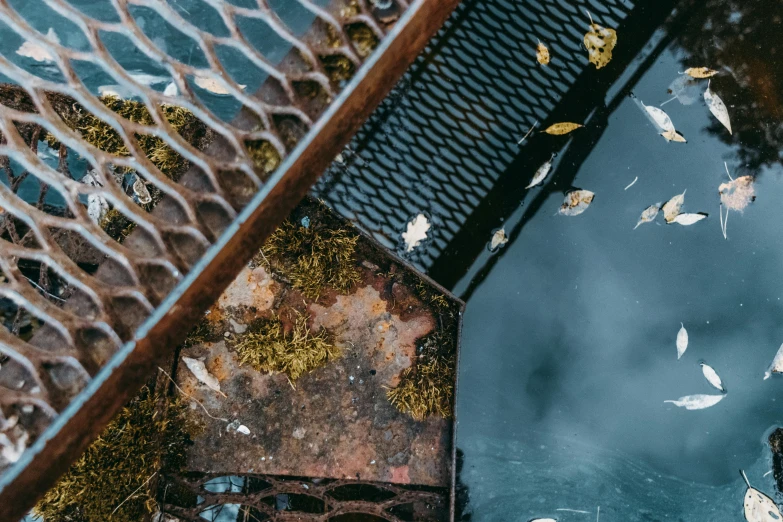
{"points": [[116, 225], [110, 481], [267, 347], [265, 157], [364, 39], [312, 258], [201, 333]]}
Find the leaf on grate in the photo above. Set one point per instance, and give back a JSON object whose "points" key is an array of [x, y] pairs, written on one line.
{"points": [[648, 214], [682, 341], [777, 364], [758, 506], [562, 128], [541, 173], [697, 402], [717, 108], [416, 232], [499, 239], [738, 193], [542, 53], [689, 219], [600, 41], [202, 374], [700, 72], [576, 202], [671, 209], [712, 376]]}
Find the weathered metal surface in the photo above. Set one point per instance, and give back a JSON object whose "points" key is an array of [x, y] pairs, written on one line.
{"points": [[89, 353], [335, 422]]}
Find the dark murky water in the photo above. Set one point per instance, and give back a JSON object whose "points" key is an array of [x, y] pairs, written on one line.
{"points": [[569, 341]]}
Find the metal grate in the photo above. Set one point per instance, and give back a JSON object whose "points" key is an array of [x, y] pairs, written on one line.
{"points": [[112, 211], [255, 497]]}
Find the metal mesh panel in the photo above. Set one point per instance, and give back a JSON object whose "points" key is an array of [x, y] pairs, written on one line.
{"points": [[446, 133], [264, 497]]}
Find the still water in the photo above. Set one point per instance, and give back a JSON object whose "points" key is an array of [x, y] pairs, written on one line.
{"points": [[569, 340]]}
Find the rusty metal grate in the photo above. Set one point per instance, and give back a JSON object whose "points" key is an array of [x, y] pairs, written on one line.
{"points": [[221, 498], [120, 221]]}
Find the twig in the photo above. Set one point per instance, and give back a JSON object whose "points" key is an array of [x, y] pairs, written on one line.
{"points": [[631, 184], [742, 472], [598, 513], [574, 511], [528, 133], [192, 398], [44, 291], [131, 495], [727, 171], [723, 221], [590, 17], [667, 101]]}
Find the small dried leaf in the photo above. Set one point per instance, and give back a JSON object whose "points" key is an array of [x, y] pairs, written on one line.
{"points": [[717, 108], [671, 208], [777, 364], [682, 341], [244, 430], [214, 86], [416, 232], [200, 372], [697, 402], [712, 376], [673, 135], [648, 214], [499, 239], [600, 42], [689, 219], [661, 119], [562, 128], [760, 508], [685, 89], [541, 173], [576, 202], [140, 189], [542, 54], [700, 72], [737, 193]]}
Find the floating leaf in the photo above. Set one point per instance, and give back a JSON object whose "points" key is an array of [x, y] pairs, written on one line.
{"points": [[661, 119], [576, 202], [562, 128], [541, 173], [648, 214], [682, 341], [737, 193], [712, 376], [671, 209], [685, 89], [717, 108], [697, 402], [37, 52], [689, 219], [777, 364], [542, 54], [600, 42], [673, 135], [700, 72], [758, 506], [202, 374], [416, 232], [498, 239], [214, 86]]}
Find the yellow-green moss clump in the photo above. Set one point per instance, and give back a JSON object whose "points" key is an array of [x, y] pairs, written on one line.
{"points": [[112, 480], [265, 157], [116, 225], [267, 347], [312, 258]]}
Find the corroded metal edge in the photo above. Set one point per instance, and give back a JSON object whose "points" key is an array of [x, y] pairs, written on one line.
{"points": [[72, 431]]}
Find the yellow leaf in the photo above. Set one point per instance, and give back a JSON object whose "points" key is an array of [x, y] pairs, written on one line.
{"points": [[542, 54], [700, 72], [562, 128], [599, 42], [673, 135]]}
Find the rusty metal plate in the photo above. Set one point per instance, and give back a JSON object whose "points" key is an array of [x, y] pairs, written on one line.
{"points": [[235, 109]]}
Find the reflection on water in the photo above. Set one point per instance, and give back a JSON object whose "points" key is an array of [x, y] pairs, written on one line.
{"points": [[570, 337]]}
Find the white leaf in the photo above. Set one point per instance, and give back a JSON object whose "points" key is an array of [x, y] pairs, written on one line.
{"points": [[10, 452], [541, 173], [697, 402], [672, 207], [97, 207], [689, 219], [576, 202], [214, 86], [416, 232], [661, 119], [777, 364], [682, 341], [36, 52], [712, 376], [758, 506], [140, 189], [200, 372], [499, 238], [171, 90], [648, 214], [244, 430], [717, 108]]}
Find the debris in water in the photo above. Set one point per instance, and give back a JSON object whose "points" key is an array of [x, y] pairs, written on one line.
{"points": [[671, 209], [717, 108], [541, 173], [631, 184], [738, 193], [542, 53], [682, 341], [214, 86], [712, 376], [697, 402], [36, 52], [777, 364], [499, 239], [673, 135], [576, 202], [200, 372], [659, 117], [689, 219], [758, 506], [685, 89], [416, 232], [700, 72], [599, 42], [528, 133], [562, 128], [648, 214]]}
